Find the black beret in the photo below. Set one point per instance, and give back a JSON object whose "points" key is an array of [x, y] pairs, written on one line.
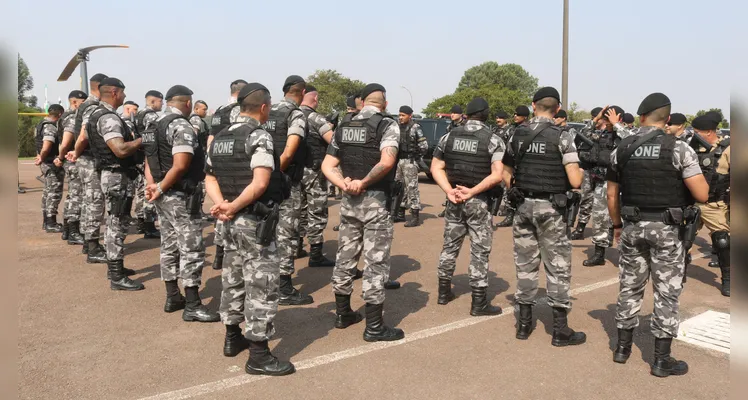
{"points": [[112, 82], [249, 89], [371, 88], [546, 92], [677, 119], [714, 115], [502, 115], [477, 105], [77, 94], [595, 111], [705, 122], [56, 108], [310, 89], [292, 80], [178, 90], [350, 101], [522, 111], [628, 118], [406, 110], [131, 103], [154, 93], [455, 110], [561, 114], [617, 109], [653, 102], [98, 78]]}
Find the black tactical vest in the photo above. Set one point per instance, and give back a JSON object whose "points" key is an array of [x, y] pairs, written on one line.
{"points": [[358, 142], [140, 119], [649, 180], [61, 122], [277, 126], [54, 151], [541, 169], [231, 162], [202, 134], [89, 102], [408, 144], [160, 159], [466, 156], [606, 144], [221, 119], [718, 183], [104, 157], [315, 144]]}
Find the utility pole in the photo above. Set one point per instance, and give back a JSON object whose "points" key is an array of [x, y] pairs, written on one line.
{"points": [[565, 59]]}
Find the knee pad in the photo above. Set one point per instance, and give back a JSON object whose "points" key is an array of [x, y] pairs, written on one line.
{"points": [[721, 240]]}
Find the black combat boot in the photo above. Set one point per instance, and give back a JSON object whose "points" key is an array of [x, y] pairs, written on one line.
{"points": [[44, 220], [289, 295], [598, 257], [344, 314], [194, 310], [140, 227], [150, 231], [262, 362], [524, 322], [235, 341], [74, 234], [400, 215], [445, 291], [65, 229], [316, 259], [359, 274], [721, 242], [578, 233], [126, 271], [174, 300], [623, 350], [120, 281], [664, 365], [376, 330], [96, 253], [218, 258], [300, 252], [441, 213], [52, 225], [391, 285], [508, 221], [562, 334], [415, 220], [480, 305]]}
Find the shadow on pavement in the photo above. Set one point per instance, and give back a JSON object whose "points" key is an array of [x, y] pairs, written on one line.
{"points": [[146, 274], [643, 338], [402, 302], [212, 289], [298, 327], [309, 280], [704, 276]]}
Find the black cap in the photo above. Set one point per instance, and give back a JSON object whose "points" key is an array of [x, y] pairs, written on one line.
{"points": [[310, 88], [502, 115], [154, 93], [249, 89], [77, 94], [595, 111], [677, 119], [705, 122], [98, 78], [292, 80], [112, 82], [350, 101], [628, 118], [617, 109], [406, 110], [714, 115], [522, 111], [561, 114], [477, 105], [653, 102], [56, 108], [455, 110], [178, 90], [371, 88], [546, 92], [131, 103]]}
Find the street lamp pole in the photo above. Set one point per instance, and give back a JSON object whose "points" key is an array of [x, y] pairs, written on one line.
{"points": [[565, 59], [411, 95]]}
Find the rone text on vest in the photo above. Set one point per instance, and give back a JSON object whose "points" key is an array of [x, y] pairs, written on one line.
{"points": [[535, 147], [223, 148], [469, 146], [149, 137], [269, 126], [647, 152], [354, 135]]}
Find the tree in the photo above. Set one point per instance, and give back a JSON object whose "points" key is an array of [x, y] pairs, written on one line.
{"points": [[509, 76], [724, 124], [333, 89], [575, 114], [498, 98], [25, 84]]}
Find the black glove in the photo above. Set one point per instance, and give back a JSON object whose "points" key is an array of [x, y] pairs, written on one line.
{"points": [[333, 119]]}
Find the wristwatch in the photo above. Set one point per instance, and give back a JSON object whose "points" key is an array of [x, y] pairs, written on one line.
{"points": [[160, 191]]}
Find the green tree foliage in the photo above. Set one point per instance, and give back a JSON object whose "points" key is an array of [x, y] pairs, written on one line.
{"points": [[26, 103], [25, 84], [576, 114], [723, 125], [333, 89], [508, 76], [498, 98]]}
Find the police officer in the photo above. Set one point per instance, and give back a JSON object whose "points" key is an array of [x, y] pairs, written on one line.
{"points": [[222, 118], [502, 128], [591, 130], [651, 175], [128, 114], [543, 165], [319, 133], [677, 126], [244, 181], [714, 157], [353, 106], [561, 120], [361, 161], [456, 118], [47, 148], [92, 213], [197, 119], [114, 148], [629, 120], [72, 207], [473, 144], [412, 146], [521, 113], [145, 211]]}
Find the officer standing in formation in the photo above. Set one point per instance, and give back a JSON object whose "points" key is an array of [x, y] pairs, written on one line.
{"points": [[145, 211], [502, 128], [541, 165], [361, 161], [47, 149], [651, 175], [677, 126], [521, 113], [72, 208], [476, 146], [174, 168], [413, 145], [201, 130], [456, 118], [245, 182], [128, 114], [561, 120], [353, 107], [592, 132]]}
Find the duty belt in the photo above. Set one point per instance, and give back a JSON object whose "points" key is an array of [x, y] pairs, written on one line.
{"points": [[538, 195], [666, 216]]}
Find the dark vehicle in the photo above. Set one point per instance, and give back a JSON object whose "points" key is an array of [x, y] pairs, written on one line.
{"points": [[433, 130], [576, 125]]}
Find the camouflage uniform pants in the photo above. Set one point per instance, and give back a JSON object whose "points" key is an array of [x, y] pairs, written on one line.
{"points": [[365, 226], [601, 223], [250, 278], [540, 235], [92, 211], [143, 209], [314, 206], [407, 172], [474, 218], [52, 194], [114, 185], [182, 247], [72, 209], [288, 229], [650, 249], [303, 215], [588, 195]]}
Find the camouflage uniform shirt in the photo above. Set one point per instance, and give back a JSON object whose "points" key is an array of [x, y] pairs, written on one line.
{"points": [[390, 138], [496, 146], [179, 133]]}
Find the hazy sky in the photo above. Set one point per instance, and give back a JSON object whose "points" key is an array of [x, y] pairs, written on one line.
{"points": [[620, 51]]}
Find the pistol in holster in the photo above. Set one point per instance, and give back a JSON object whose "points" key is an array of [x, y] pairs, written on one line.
{"points": [[119, 203], [515, 197], [395, 198], [572, 209], [495, 195], [194, 203], [268, 221]]}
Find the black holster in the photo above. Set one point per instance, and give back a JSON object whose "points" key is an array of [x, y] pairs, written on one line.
{"points": [[395, 197], [572, 208], [119, 203], [268, 221], [515, 197], [690, 225], [495, 195], [194, 203]]}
